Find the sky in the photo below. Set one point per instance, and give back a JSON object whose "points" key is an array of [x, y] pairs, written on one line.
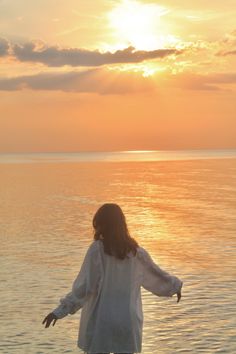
{"points": [[111, 75]]}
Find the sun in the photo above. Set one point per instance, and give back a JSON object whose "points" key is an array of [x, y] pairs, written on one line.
{"points": [[139, 25]]}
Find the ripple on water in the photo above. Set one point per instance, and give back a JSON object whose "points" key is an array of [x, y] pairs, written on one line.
{"points": [[181, 211]]}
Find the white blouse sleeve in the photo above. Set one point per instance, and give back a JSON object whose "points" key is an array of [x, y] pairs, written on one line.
{"points": [[156, 280], [84, 285]]}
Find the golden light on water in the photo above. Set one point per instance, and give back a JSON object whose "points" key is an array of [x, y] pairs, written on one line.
{"points": [[180, 211], [138, 151]]}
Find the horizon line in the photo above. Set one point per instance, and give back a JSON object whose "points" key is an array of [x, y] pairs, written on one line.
{"points": [[116, 151]]}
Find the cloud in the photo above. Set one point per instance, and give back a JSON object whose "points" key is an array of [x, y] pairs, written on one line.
{"points": [[194, 81], [4, 47], [223, 53], [230, 38], [229, 42], [56, 57], [89, 81], [104, 81]]}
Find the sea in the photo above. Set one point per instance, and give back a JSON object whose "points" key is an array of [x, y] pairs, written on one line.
{"points": [[179, 205]]}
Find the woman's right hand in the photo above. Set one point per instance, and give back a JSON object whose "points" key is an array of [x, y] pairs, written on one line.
{"points": [[178, 296]]}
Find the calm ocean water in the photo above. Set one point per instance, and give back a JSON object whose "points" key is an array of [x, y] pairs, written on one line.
{"points": [[180, 206]]}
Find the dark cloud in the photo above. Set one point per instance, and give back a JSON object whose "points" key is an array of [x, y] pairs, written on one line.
{"points": [[103, 81], [94, 81], [56, 57], [4, 47]]}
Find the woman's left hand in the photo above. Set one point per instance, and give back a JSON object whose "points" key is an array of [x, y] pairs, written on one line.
{"points": [[51, 317]]}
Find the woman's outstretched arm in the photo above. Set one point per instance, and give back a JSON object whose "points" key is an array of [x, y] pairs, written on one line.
{"points": [[158, 281], [85, 284]]}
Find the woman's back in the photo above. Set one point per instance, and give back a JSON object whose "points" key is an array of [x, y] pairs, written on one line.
{"points": [[108, 287], [113, 313], [112, 318]]}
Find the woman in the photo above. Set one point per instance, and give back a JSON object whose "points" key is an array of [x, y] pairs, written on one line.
{"points": [[108, 287]]}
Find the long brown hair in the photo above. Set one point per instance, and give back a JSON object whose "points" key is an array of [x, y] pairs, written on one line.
{"points": [[110, 226]]}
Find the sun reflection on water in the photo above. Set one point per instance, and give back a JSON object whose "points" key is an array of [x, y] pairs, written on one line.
{"points": [[182, 212]]}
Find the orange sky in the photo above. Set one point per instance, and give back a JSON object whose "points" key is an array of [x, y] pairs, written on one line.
{"points": [[117, 75]]}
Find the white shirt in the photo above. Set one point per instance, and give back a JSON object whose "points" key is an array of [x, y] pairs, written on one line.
{"points": [[108, 290]]}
